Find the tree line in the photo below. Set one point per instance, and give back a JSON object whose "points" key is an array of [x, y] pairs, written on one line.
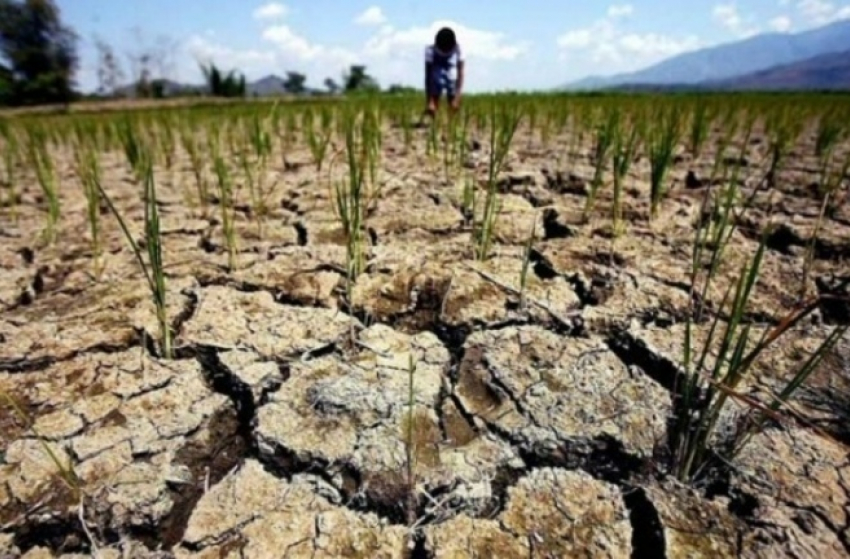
{"points": [[39, 62]]}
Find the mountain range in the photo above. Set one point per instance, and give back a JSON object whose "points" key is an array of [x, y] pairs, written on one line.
{"points": [[814, 59]]}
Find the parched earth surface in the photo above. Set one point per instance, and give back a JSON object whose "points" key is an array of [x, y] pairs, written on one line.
{"points": [[434, 412]]}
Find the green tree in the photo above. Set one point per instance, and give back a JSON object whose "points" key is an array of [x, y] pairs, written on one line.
{"points": [[331, 85], [223, 85], [398, 89], [39, 51], [356, 79], [295, 83]]}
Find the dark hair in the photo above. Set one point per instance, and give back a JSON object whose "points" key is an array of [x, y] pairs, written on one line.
{"points": [[445, 39]]}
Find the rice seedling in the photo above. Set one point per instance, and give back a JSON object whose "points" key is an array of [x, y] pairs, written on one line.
{"points": [[45, 171], [131, 139], [355, 197], [724, 140], [830, 131], [166, 141], [829, 185], [88, 170], [460, 143], [318, 141], [526, 261], [189, 141], [626, 145], [661, 140], [701, 122], [504, 121], [432, 145], [468, 199], [606, 134], [10, 161], [154, 269], [783, 129], [756, 418], [706, 389], [225, 195], [373, 141]]}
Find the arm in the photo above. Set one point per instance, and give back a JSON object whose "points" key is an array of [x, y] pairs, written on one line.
{"points": [[429, 59], [460, 68]]}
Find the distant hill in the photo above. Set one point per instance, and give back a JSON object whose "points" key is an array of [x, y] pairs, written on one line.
{"points": [[269, 85], [729, 60], [824, 72]]}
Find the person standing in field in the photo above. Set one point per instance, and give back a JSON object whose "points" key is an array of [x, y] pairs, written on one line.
{"points": [[444, 69]]}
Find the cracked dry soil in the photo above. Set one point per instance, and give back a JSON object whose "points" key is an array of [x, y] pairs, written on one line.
{"points": [[279, 429]]}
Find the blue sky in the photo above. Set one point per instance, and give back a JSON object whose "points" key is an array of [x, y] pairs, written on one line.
{"points": [[527, 44]]}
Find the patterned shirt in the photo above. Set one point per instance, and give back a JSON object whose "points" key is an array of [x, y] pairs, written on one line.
{"points": [[443, 63]]}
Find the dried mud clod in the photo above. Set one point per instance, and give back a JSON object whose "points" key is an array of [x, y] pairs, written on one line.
{"points": [[143, 437], [792, 518], [562, 401], [550, 513], [349, 419]]}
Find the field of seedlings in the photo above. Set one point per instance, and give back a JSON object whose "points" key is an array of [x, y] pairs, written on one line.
{"points": [[551, 326]]}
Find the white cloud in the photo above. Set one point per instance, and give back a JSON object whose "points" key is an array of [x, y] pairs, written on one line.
{"points": [[271, 10], [809, 13], [782, 24], [373, 15], [476, 43], [821, 12], [651, 45], [202, 50], [604, 43], [729, 17], [620, 10]]}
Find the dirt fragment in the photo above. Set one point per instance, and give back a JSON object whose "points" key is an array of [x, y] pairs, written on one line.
{"points": [[547, 393]]}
